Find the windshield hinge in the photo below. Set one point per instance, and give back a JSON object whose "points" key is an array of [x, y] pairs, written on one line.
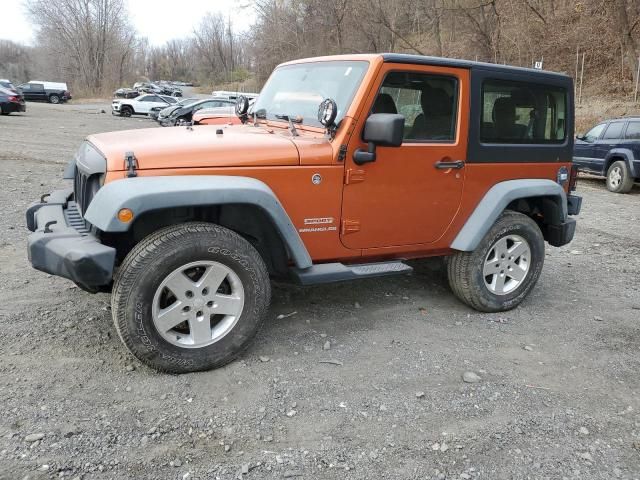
{"points": [[342, 153], [292, 128], [130, 164]]}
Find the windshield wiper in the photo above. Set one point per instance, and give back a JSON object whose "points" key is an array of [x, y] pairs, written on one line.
{"points": [[291, 119]]}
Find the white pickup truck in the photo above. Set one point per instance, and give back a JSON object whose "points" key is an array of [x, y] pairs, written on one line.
{"points": [[141, 105]]}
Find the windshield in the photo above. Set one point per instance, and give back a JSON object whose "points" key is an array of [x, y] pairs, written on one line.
{"points": [[297, 90]]}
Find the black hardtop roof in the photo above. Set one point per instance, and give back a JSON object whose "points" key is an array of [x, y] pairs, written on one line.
{"points": [[451, 62]]}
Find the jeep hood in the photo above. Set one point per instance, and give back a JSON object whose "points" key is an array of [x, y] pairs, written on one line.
{"points": [[201, 146]]}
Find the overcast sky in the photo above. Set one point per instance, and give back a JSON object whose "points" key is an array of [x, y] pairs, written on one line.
{"points": [[158, 20]]}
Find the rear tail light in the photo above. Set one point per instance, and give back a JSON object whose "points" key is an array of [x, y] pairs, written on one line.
{"points": [[573, 178], [14, 99]]}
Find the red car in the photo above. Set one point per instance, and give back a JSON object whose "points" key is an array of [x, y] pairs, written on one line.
{"points": [[216, 116]]}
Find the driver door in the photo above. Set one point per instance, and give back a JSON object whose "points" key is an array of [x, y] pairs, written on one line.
{"points": [[584, 149], [408, 196]]}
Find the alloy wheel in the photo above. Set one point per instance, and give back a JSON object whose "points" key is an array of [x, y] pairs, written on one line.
{"points": [[197, 304], [615, 177], [507, 264]]}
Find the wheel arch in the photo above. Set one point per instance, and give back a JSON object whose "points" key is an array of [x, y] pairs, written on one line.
{"points": [[543, 200], [245, 205], [621, 154]]}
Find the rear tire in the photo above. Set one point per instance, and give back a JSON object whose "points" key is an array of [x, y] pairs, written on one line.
{"points": [[55, 99], [619, 179], [126, 111], [190, 297], [504, 267]]}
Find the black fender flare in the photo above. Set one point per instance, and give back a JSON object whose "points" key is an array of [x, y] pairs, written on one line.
{"points": [[144, 194], [627, 155]]}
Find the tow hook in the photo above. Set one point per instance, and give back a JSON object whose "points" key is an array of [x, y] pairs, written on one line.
{"points": [[46, 226]]}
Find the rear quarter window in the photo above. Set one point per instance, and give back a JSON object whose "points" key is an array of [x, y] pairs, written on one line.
{"points": [[514, 112], [633, 131]]}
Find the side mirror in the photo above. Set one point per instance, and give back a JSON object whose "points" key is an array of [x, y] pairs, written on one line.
{"points": [[581, 136], [380, 129]]}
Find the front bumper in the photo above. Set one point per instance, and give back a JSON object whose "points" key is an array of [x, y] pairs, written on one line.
{"points": [[62, 245], [166, 121]]}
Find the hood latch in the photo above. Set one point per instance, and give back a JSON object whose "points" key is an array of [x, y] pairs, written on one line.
{"points": [[130, 164]]}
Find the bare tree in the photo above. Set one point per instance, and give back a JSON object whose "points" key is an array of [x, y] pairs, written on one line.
{"points": [[85, 37], [16, 61]]}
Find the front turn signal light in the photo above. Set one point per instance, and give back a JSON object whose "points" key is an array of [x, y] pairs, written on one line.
{"points": [[125, 215]]}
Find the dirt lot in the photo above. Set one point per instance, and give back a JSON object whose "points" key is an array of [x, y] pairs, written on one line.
{"points": [[559, 395]]}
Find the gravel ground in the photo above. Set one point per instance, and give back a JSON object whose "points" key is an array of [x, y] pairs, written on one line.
{"points": [[556, 392]]}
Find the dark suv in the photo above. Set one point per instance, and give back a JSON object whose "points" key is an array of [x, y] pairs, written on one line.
{"points": [[611, 149]]}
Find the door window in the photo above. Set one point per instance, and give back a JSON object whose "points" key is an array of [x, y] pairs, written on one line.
{"points": [[594, 134], [37, 87], [614, 131], [427, 102], [633, 131], [205, 105]]}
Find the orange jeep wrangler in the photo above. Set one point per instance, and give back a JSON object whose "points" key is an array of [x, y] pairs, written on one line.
{"points": [[344, 168]]}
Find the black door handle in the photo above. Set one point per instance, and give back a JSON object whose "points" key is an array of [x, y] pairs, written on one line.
{"points": [[445, 165]]}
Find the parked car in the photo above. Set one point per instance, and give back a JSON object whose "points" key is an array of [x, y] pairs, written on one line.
{"points": [[148, 88], [4, 83], [184, 114], [611, 149], [141, 105], [171, 90], [232, 95], [41, 91], [162, 89], [326, 183], [165, 110], [220, 115], [125, 93], [11, 101]]}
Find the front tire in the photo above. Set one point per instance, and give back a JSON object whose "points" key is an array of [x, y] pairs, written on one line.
{"points": [[619, 179], [190, 297], [126, 111], [504, 267], [55, 99]]}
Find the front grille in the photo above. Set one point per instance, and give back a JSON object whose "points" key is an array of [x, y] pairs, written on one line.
{"points": [[74, 219], [84, 188]]}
